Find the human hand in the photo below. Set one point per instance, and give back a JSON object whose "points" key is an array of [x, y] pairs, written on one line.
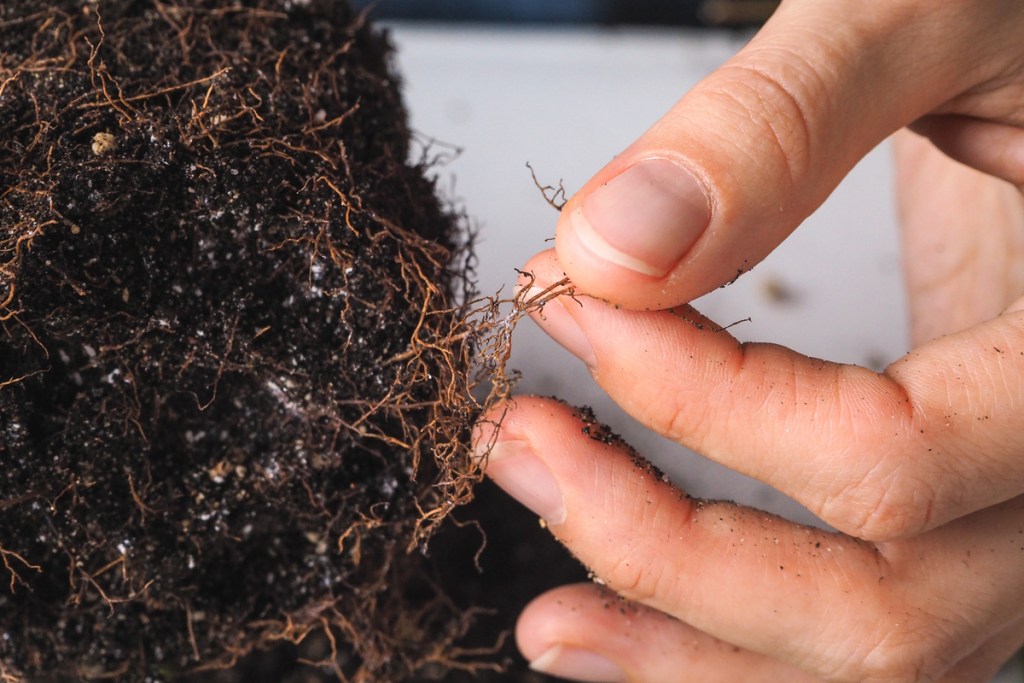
{"points": [[919, 467], [904, 595]]}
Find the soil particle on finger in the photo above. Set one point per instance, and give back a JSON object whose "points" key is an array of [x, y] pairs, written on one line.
{"points": [[598, 431]]}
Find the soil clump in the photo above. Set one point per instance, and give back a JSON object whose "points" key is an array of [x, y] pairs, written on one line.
{"points": [[235, 387]]}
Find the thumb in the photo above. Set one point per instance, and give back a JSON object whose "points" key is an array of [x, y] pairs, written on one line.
{"points": [[742, 159]]}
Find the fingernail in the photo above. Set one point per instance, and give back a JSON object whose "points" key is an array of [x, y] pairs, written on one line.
{"points": [[578, 664], [644, 219], [562, 327], [514, 467]]}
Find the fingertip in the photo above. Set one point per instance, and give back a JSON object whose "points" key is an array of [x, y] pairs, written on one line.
{"points": [[537, 627], [544, 268], [565, 633], [603, 277], [511, 457], [585, 632], [580, 613]]}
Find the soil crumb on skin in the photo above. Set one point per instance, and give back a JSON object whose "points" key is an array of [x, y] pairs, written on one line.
{"points": [[234, 387], [598, 431]]}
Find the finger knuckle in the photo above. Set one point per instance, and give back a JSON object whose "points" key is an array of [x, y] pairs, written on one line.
{"points": [[906, 650], [637, 581], [886, 504], [782, 107]]}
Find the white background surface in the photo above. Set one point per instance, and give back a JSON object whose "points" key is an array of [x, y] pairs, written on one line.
{"points": [[567, 101]]}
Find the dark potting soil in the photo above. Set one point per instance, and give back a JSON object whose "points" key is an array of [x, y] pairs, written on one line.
{"points": [[234, 368]]}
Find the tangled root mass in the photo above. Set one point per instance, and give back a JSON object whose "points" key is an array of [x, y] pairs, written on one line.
{"points": [[234, 362]]}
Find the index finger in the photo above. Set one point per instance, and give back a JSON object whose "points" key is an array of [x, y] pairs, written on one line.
{"points": [[935, 436]]}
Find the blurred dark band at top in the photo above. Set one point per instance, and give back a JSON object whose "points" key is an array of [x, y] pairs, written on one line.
{"points": [[710, 13]]}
